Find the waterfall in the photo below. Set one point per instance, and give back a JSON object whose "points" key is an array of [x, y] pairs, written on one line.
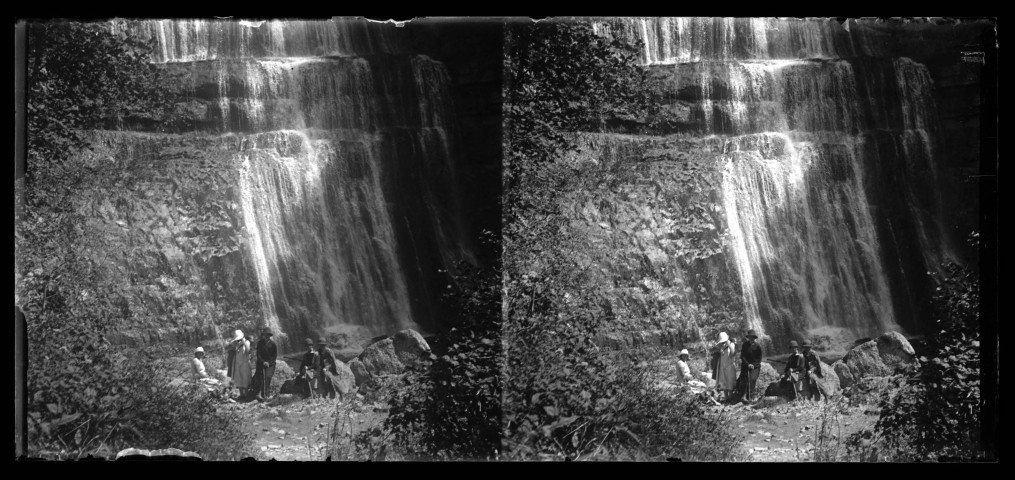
{"points": [[346, 144], [827, 140]]}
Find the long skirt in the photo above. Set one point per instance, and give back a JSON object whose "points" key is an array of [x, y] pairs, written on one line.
{"points": [[726, 378]]}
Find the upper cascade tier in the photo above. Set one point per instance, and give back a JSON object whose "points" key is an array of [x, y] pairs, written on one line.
{"points": [[320, 93], [193, 40], [738, 97], [690, 39]]}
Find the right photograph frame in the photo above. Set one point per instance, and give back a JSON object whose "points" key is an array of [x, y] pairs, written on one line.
{"points": [[749, 239]]}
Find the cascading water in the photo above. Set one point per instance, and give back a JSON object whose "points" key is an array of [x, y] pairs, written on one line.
{"points": [[816, 120], [346, 146]]}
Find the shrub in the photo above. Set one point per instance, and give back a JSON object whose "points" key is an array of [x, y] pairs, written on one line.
{"points": [[449, 407], [84, 398], [932, 409]]}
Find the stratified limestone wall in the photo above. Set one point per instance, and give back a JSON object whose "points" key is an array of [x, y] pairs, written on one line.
{"points": [[833, 170]]}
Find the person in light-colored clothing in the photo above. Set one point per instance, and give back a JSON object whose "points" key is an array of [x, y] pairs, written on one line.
{"points": [[241, 362], [200, 373], [726, 374], [685, 376]]}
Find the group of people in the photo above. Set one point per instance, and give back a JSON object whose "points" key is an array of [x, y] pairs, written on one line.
{"points": [[253, 382], [318, 374], [802, 368]]}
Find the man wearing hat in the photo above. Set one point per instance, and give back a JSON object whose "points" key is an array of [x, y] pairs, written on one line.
{"points": [[200, 374], [812, 372], [310, 365], [267, 352], [750, 366], [794, 369]]}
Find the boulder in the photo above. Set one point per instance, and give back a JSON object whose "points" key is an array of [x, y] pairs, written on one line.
{"points": [[345, 380], [828, 383], [895, 350], [874, 358], [359, 371], [780, 389], [410, 347], [380, 358], [768, 375], [868, 389], [283, 372]]}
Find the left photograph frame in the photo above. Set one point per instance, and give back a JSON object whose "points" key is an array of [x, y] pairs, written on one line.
{"points": [[258, 238]]}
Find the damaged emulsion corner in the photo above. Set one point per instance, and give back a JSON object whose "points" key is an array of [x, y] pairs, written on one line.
{"points": [[398, 23]]}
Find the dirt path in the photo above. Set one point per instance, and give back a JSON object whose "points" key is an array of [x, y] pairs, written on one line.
{"points": [[790, 432], [288, 428]]}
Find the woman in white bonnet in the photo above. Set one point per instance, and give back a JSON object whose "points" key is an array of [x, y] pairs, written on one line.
{"points": [[726, 375], [241, 362]]}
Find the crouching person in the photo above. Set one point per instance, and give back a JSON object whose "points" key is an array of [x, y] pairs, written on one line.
{"points": [[794, 373], [684, 374], [308, 377], [327, 370], [813, 374], [201, 376]]}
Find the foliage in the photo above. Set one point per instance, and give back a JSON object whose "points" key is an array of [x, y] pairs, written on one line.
{"points": [[91, 245], [933, 409], [85, 399], [450, 407], [86, 75], [561, 79], [564, 397]]}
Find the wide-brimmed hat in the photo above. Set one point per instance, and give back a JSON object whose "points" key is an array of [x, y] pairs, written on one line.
{"points": [[321, 341], [751, 334], [266, 331], [308, 342], [723, 337], [238, 335], [807, 344], [793, 344], [199, 350], [684, 352]]}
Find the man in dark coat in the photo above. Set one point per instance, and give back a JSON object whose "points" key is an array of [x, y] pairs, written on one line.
{"points": [[307, 377], [267, 353], [794, 372], [328, 369], [812, 371], [750, 366]]}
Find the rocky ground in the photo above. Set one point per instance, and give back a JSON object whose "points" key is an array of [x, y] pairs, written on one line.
{"points": [[792, 432], [290, 428]]}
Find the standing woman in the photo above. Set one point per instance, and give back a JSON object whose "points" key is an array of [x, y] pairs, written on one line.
{"points": [[241, 362], [726, 375]]}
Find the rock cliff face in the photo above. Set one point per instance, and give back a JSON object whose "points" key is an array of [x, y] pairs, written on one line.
{"points": [[801, 174], [358, 164]]}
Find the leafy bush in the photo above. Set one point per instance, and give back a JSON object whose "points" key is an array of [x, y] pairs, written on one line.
{"points": [[450, 406], [79, 273], [563, 396], [933, 409], [86, 399], [566, 398]]}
